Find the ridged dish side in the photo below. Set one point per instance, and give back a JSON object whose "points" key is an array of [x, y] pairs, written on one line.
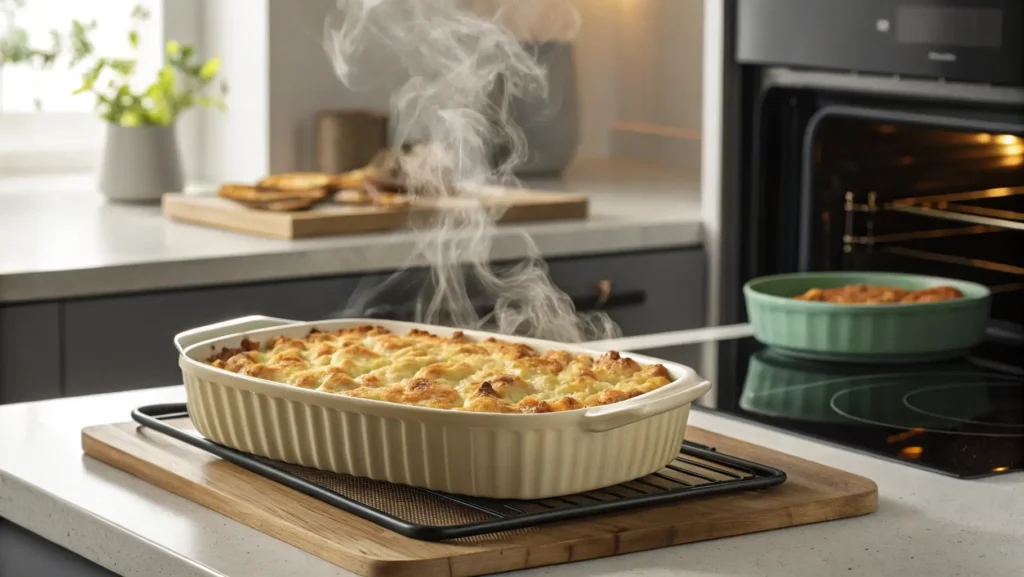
{"points": [[489, 462], [885, 329]]}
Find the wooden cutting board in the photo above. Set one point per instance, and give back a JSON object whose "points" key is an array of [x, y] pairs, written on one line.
{"points": [[812, 493], [327, 219]]}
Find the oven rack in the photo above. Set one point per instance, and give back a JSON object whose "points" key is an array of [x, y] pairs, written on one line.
{"points": [[950, 206], [427, 515]]}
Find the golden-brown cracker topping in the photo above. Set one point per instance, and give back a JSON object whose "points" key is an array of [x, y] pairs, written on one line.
{"points": [[566, 404], [357, 350], [486, 390], [656, 371], [223, 355], [490, 405], [286, 343], [456, 372], [607, 397], [532, 405], [337, 382], [418, 385]]}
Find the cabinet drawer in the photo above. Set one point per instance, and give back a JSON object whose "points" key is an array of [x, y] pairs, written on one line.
{"points": [[647, 292], [29, 352], [671, 282]]}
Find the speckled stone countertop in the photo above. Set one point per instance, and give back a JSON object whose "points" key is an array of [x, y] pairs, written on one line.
{"points": [[58, 239], [926, 524]]}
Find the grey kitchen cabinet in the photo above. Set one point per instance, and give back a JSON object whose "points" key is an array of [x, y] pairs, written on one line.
{"points": [[672, 283], [25, 554], [648, 292], [124, 342], [30, 359]]}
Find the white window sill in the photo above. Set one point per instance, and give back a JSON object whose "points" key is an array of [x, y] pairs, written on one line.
{"points": [[71, 183]]}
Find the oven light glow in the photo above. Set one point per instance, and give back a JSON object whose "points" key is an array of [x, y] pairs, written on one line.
{"points": [[1007, 139], [911, 452], [1012, 160], [898, 437], [1015, 149], [887, 129], [1000, 469], [984, 138]]}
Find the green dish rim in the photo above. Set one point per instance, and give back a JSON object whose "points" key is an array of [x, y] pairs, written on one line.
{"points": [[974, 292]]}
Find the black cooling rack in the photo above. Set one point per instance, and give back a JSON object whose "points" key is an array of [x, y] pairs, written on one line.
{"points": [[428, 515]]}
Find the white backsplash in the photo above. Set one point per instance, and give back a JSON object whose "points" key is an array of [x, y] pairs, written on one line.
{"points": [[638, 65]]}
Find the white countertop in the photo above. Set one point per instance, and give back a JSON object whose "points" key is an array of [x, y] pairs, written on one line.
{"points": [[926, 524], [59, 239]]}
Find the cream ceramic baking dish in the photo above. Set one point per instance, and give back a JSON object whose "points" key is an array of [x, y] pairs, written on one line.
{"points": [[508, 456]]}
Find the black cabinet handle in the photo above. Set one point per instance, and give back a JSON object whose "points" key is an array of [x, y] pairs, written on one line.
{"points": [[603, 300]]}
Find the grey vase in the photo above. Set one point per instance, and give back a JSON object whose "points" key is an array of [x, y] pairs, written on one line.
{"points": [[140, 163], [550, 126]]}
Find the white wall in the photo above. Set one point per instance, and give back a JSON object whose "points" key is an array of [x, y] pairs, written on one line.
{"points": [[237, 144], [638, 66], [659, 83], [303, 82]]}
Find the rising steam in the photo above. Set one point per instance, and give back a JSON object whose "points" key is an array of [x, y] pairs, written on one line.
{"points": [[468, 67]]}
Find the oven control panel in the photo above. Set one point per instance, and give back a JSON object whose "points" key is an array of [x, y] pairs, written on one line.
{"points": [[979, 41]]}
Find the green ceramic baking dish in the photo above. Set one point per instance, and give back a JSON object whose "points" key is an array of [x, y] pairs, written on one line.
{"points": [[865, 333]]}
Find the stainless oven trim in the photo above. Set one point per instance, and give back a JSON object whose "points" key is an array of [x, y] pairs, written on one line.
{"points": [[872, 114], [925, 89]]}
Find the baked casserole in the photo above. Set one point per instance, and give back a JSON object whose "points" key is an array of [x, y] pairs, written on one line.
{"points": [[868, 294], [423, 369]]}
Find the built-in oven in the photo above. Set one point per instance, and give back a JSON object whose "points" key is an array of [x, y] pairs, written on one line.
{"points": [[861, 157], [879, 135]]}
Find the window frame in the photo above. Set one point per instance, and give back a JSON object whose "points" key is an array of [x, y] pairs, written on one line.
{"points": [[73, 141]]}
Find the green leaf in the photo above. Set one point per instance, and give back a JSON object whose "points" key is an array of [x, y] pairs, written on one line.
{"points": [[166, 78], [140, 12], [173, 48], [211, 102], [123, 66], [90, 76], [81, 46], [130, 118], [133, 39], [14, 47]]}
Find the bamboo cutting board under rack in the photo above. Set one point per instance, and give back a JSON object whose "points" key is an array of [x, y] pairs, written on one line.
{"points": [[330, 219], [812, 493]]}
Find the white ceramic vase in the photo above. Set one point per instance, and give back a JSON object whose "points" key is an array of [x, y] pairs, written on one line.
{"points": [[140, 164]]}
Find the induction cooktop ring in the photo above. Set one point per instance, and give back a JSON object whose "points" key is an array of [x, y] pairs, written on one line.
{"points": [[874, 422], [908, 404]]}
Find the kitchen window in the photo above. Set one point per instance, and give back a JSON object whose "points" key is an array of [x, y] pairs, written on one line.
{"points": [[44, 128]]}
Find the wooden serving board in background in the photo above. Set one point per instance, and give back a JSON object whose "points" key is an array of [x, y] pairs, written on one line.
{"points": [[812, 493], [329, 219]]}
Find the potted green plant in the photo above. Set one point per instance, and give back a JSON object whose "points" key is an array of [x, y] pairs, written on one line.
{"points": [[141, 160]]}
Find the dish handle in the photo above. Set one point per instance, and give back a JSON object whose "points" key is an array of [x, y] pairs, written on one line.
{"points": [[608, 417], [254, 322]]}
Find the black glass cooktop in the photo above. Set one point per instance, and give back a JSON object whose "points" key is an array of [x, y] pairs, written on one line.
{"points": [[963, 417]]}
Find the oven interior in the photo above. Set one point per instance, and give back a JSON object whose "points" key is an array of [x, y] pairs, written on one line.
{"points": [[875, 185]]}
